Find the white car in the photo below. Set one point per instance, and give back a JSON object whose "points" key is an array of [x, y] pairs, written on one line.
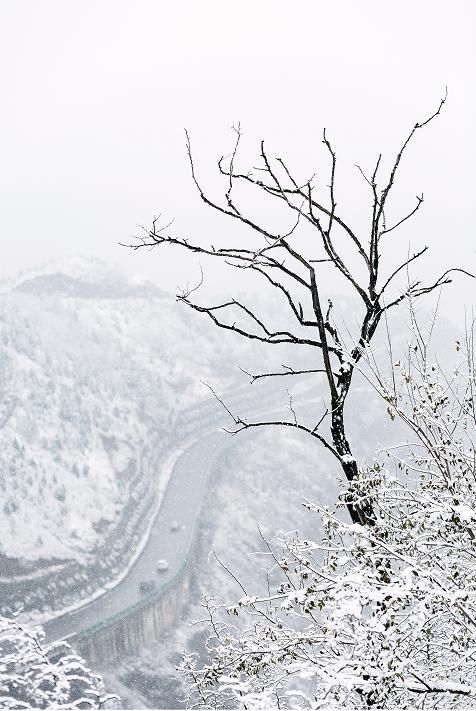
{"points": [[174, 526], [163, 564]]}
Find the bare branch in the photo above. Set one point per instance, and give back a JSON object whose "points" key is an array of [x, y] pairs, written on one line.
{"points": [[285, 423], [291, 408], [401, 267], [237, 130], [242, 424], [297, 312], [187, 291], [229, 572], [393, 173], [287, 372], [285, 193], [271, 337], [331, 186], [404, 219], [232, 210], [414, 291]]}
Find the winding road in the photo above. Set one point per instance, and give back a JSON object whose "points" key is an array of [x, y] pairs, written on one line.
{"points": [[182, 503]]}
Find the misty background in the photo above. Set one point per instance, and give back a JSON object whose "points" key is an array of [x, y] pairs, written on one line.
{"points": [[96, 96]]}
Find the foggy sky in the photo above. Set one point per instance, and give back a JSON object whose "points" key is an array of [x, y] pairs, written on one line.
{"points": [[95, 96]]}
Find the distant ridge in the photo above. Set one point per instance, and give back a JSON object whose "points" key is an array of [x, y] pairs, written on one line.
{"points": [[65, 285], [81, 277]]}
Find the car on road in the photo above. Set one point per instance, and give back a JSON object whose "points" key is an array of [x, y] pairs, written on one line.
{"points": [[174, 526], [162, 565], [146, 587]]}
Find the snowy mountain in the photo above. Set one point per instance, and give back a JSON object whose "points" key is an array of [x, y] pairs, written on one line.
{"points": [[94, 368]]}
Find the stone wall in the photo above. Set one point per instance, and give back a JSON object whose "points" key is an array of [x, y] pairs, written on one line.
{"points": [[143, 624]]}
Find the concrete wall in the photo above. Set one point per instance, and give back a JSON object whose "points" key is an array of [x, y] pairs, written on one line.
{"points": [[143, 624]]}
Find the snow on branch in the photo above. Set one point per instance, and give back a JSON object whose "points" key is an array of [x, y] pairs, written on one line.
{"points": [[381, 616]]}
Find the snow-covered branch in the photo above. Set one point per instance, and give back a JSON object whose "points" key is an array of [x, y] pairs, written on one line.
{"points": [[379, 616], [34, 675]]}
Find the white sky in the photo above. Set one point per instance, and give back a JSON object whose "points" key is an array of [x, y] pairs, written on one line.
{"points": [[95, 95]]}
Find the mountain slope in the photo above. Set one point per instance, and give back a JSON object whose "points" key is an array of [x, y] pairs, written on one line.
{"points": [[94, 368]]}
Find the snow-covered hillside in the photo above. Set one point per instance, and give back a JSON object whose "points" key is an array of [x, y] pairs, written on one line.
{"points": [[100, 374], [94, 368]]}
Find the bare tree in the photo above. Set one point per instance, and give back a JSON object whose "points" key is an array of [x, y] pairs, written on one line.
{"points": [[295, 272]]}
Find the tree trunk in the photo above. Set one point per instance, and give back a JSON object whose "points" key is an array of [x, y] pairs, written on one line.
{"points": [[359, 512]]}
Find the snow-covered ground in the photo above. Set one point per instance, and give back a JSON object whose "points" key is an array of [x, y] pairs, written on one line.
{"points": [[94, 368]]}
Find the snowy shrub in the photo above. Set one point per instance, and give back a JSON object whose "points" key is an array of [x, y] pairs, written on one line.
{"points": [[381, 615], [34, 675]]}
